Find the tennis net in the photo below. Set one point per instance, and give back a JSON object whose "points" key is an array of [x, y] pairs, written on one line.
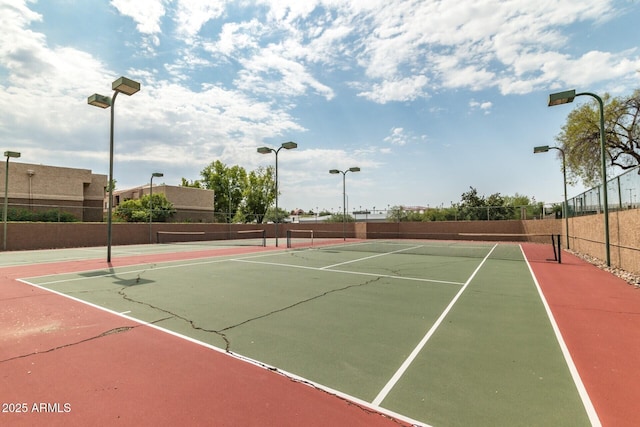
{"points": [[221, 238], [453, 245]]}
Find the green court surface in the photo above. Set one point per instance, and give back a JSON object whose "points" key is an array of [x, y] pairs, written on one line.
{"points": [[451, 334]]}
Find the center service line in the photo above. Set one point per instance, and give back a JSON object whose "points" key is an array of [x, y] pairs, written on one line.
{"points": [[405, 365]]}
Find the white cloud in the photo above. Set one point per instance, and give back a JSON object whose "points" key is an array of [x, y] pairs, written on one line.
{"points": [[191, 15], [406, 89], [271, 72], [236, 37], [484, 106], [397, 137], [397, 47], [146, 13]]}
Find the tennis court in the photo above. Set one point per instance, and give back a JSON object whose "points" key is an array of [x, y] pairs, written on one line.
{"points": [[424, 332]]}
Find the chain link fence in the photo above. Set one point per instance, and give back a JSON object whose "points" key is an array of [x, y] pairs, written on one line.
{"points": [[622, 193]]}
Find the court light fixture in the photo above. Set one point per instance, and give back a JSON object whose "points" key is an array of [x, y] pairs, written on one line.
{"points": [[540, 149], [8, 155], [344, 195], [566, 97], [544, 149], [290, 145], [127, 87], [560, 98], [98, 100]]}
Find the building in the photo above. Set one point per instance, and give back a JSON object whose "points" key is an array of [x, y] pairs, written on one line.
{"points": [[191, 204], [39, 188]]}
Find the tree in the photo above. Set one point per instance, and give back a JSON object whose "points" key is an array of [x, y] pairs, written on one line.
{"points": [[497, 209], [137, 210], [259, 194], [580, 138], [339, 218], [520, 203], [193, 184], [396, 214], [228, 184], [275, 216], [472, 207]]}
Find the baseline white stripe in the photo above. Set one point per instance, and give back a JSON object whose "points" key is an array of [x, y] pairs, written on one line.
{"points": [[405, 365], [582, 391]]}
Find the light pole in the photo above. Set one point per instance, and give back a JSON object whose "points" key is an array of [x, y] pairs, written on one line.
{"points": [[7, 154], [544, 149], [565, 98], [157, 175], [344, 195], [266, 150], [230, 190], [128, 87]]}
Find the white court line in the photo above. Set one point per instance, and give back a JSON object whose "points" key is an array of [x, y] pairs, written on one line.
{"points": [[582, 391], [405, 365], [369, 257], [357, 273]]}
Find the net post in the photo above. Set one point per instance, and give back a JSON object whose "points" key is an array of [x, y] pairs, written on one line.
{"points": [[288, 239], [553, 245], [559, 251], [264, 238]]}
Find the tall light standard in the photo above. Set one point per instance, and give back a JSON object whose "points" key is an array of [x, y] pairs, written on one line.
{"points": [[544, 149], [157, 175], [344, 195], [7, 154], [128, 87], [565, 98], [266, 150]]}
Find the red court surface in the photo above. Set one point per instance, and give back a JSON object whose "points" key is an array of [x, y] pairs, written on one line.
{"points": [[63, 362], [599, 317]]}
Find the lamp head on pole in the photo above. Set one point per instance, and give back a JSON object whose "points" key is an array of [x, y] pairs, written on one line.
{"points": [[540, 149], [289, 145], [98, 100], [561, 97], [334, 171], [157, 174], [14, 154], [264, 150], [354, 169], [126, 86]]}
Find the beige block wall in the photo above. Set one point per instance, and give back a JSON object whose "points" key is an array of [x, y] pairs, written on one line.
{"points": [[587, 237]]}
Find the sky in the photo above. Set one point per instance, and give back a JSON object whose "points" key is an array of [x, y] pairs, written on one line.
{"points": [[427, 97]]}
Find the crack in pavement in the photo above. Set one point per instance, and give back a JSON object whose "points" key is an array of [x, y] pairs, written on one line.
{"points": [[221, 332], [177, 316], [368, 282], [117, 330]]}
